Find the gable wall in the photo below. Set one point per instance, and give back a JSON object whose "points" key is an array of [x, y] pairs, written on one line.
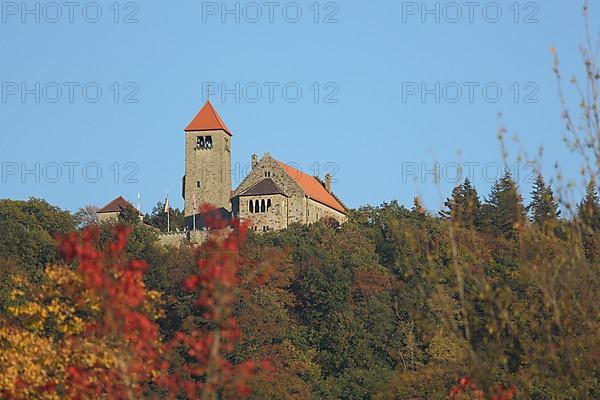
{"points": [[296, 202]]}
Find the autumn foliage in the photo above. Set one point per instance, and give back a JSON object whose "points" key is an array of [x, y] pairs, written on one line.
{"points": [[467, 389], [90, 329]]}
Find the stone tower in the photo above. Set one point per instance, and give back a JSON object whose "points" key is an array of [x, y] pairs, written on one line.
{"points": [[207, 161]]}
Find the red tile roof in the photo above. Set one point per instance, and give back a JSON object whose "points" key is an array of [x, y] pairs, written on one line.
{"points": [[117, 205], [207, 120], [313, 188]]}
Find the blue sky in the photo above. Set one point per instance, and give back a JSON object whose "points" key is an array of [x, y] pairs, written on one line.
{"points": [[361, 68]]}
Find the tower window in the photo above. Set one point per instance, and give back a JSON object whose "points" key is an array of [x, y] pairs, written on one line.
{"points": [[204, 142], [198, 184]]}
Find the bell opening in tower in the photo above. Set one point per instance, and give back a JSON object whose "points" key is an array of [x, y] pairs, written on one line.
{"points": [[204, 142]]}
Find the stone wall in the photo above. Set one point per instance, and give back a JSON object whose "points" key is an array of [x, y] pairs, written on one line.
{"points": [[179, 239], [198, 236], [210, 167], [108, 217], [317, 211], [267, 167], [300, 209], [173, 239], [276, 218]]}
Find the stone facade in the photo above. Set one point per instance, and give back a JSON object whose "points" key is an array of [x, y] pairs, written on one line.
{"points": [[274, 217], [267, 167], [111, 212], [108, 217], [207, 170], [273, 195], [280, 195], [290, 206], [173, 239], [316, 211]]}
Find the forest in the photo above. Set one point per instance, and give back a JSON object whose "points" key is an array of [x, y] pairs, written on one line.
{"points": [[492, 297], [489, 299]]}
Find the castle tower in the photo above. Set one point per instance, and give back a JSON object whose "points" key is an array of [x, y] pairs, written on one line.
{"points": [[207, 161]]}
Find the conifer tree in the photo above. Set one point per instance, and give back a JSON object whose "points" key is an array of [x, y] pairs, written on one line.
{"points": [[463, 205], [543, 207], [588, 210], [503, 212]]}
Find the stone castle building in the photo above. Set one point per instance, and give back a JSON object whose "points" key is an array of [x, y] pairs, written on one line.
{"points": [[110, 213], [272, 196]]}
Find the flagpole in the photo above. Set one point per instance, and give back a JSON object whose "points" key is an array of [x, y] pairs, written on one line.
{"points": [[168, 209], [139, 207]]}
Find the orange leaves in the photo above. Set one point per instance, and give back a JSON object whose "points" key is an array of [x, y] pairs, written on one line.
{"points": [[216, 288], [468, 388], [118, 351]]}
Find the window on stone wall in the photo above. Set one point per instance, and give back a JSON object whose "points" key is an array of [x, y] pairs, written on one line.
{"points": [[256, 206], [269, 204], [198, 184], [251, 206], [263, 206], [204, 142]]}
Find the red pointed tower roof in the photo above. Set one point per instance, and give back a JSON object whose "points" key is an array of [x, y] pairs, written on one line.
{"points": [[207, 120]]}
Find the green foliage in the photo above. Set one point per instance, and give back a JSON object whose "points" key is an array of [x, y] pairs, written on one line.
{"points": [[464, 206], [28, 230], [86, 216], [543, 207], [503, 212], [588, 215], [158, 218], [588, 210], [397, 303]]}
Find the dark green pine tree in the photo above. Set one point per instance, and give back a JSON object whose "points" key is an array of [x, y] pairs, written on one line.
{"points": [[129, 216], [158, 218], [464, 206], [544, 208], [503, 213], [588, 210], [588, 215]]}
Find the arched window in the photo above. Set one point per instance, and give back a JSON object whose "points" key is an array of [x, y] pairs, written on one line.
{"points": [[251, 206], [256, 206], [262, 206], [268, 204]]}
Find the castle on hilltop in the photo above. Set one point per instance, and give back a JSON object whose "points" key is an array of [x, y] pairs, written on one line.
{"points": [[273, 195]]}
